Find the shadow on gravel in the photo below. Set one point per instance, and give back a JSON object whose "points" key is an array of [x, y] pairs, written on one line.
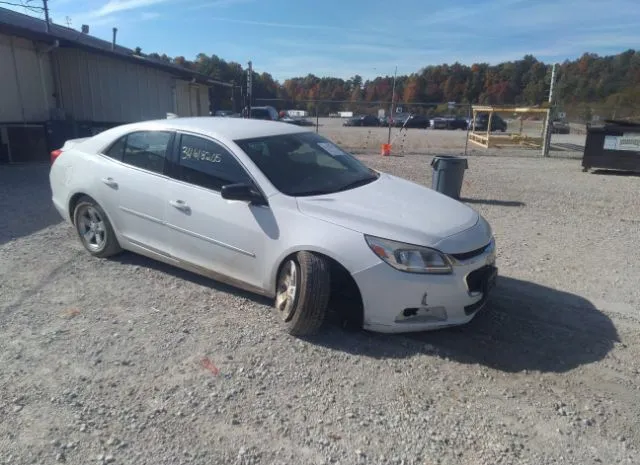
{"points": [[616, 173], [500, 203], [526, 326], [25, 201], [132, 259]]}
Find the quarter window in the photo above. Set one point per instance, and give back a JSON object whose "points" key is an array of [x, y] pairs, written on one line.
{"points": [[147, 150], [207, 164], [117, 149]]}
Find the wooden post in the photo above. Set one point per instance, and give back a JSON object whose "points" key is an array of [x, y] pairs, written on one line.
{"points": [[466, 142], [521, 124]]}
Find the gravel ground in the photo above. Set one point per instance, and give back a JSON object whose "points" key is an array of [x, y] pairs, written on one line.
{"points": [[419, 141], [130, 361]]}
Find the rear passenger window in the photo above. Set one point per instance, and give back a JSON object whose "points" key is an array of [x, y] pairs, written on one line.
{"points": [[207, 164], [147, 150]]}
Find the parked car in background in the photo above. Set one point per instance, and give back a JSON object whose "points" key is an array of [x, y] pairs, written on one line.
{"points": [[298, 121], [266, 113], [448, 122], [456, 123], [416, 121], [281, 211], [398, 119], [497, 123], [223, 113], [559, 126], [437, 123], [362, 120]]}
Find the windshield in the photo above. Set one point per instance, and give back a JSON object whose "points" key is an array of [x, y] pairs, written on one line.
{"points": [[306, 164]]}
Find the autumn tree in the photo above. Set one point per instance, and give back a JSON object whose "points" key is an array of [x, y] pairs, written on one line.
{"points": [[605, 85]]}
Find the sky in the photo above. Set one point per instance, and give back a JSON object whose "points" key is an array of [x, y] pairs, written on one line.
{"points": [[342, 38]]}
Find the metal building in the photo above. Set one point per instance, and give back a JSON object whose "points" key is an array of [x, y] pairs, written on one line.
{"points": [[57, 83]]}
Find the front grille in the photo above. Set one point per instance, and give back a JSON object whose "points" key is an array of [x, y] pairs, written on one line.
{"points": [[469, 255]]}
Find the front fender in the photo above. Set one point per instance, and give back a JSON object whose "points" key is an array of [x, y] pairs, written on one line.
{"points": [[345, 246]]}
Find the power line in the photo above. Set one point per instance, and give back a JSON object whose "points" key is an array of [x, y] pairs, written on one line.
{"points": [[25, 4]]}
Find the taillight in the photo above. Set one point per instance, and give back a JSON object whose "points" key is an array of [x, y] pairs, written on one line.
{"points": [[55, 154]]}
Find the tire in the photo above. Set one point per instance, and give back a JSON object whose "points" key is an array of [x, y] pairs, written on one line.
{"points": [[94, 229], [303, 309]]}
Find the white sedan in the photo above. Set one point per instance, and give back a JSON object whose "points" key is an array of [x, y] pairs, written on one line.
{"points": [[281, 211]]}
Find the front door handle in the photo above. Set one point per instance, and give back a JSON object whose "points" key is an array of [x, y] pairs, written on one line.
{"points": [[180, 205], [110, 182]]}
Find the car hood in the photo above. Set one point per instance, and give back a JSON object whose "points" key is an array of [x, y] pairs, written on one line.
{"points": [[397, 209]]}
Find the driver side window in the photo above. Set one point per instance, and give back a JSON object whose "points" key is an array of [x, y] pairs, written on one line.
{"points": [[206, 164]]}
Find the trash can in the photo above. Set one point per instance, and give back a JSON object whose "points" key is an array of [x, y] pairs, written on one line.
{"points": [[448, 173]]}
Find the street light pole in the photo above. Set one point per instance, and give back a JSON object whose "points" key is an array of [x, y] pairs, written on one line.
{"points": [[393, 97]]}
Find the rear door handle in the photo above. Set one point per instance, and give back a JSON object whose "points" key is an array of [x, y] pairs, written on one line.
{"points": [[180, 205], [110, 182]]}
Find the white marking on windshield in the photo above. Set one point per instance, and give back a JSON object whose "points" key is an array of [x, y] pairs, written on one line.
{"points": [[331, 149]]}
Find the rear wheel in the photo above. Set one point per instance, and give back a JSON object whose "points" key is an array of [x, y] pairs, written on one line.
{"points": [[302, 293], [94, 229]]}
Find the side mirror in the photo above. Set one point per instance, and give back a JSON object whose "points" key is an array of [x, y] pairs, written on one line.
{"points": [[244, 193]]}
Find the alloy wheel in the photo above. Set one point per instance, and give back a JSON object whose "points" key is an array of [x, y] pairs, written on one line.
{"points": [[92, 229], [287, 290]]}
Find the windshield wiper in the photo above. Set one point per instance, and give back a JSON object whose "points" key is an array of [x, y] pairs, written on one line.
{"points": [[310, 193], [358, 183], [351, 185]]}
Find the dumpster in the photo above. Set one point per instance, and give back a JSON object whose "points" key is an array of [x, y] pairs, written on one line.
{"points": [[448, 173], [613, 146]]}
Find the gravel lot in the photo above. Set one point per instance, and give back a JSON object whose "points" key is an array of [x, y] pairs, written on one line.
{"points": [[133, 362], [421, 141]]}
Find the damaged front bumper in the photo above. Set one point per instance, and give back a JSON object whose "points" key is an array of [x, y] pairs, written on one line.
{"points": [[396, 301]]}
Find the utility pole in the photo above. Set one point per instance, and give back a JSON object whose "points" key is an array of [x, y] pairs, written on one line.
{"points": [[249, 83], [546, 136], [233, 95], [393, 97], [45, 7]]}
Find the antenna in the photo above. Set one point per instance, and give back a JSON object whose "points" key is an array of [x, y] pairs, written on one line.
{"points": [[67, 20]]}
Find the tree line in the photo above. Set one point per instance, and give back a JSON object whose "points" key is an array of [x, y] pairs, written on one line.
{"points": [[607, 86]]}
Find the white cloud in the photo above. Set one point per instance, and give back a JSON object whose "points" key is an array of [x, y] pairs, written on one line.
{"points": [[272, 24], [115, 6], [219, 4], [149, 15], [453, 16]]}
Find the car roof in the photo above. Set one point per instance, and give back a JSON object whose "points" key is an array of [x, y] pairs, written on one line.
{"points": [[219, 128]]}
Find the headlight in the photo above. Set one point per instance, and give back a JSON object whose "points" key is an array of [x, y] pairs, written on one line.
{"points": [[409, 258]]}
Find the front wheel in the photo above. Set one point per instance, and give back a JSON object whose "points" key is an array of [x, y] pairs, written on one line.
{"points": [[94, 229], [302, 293]]}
